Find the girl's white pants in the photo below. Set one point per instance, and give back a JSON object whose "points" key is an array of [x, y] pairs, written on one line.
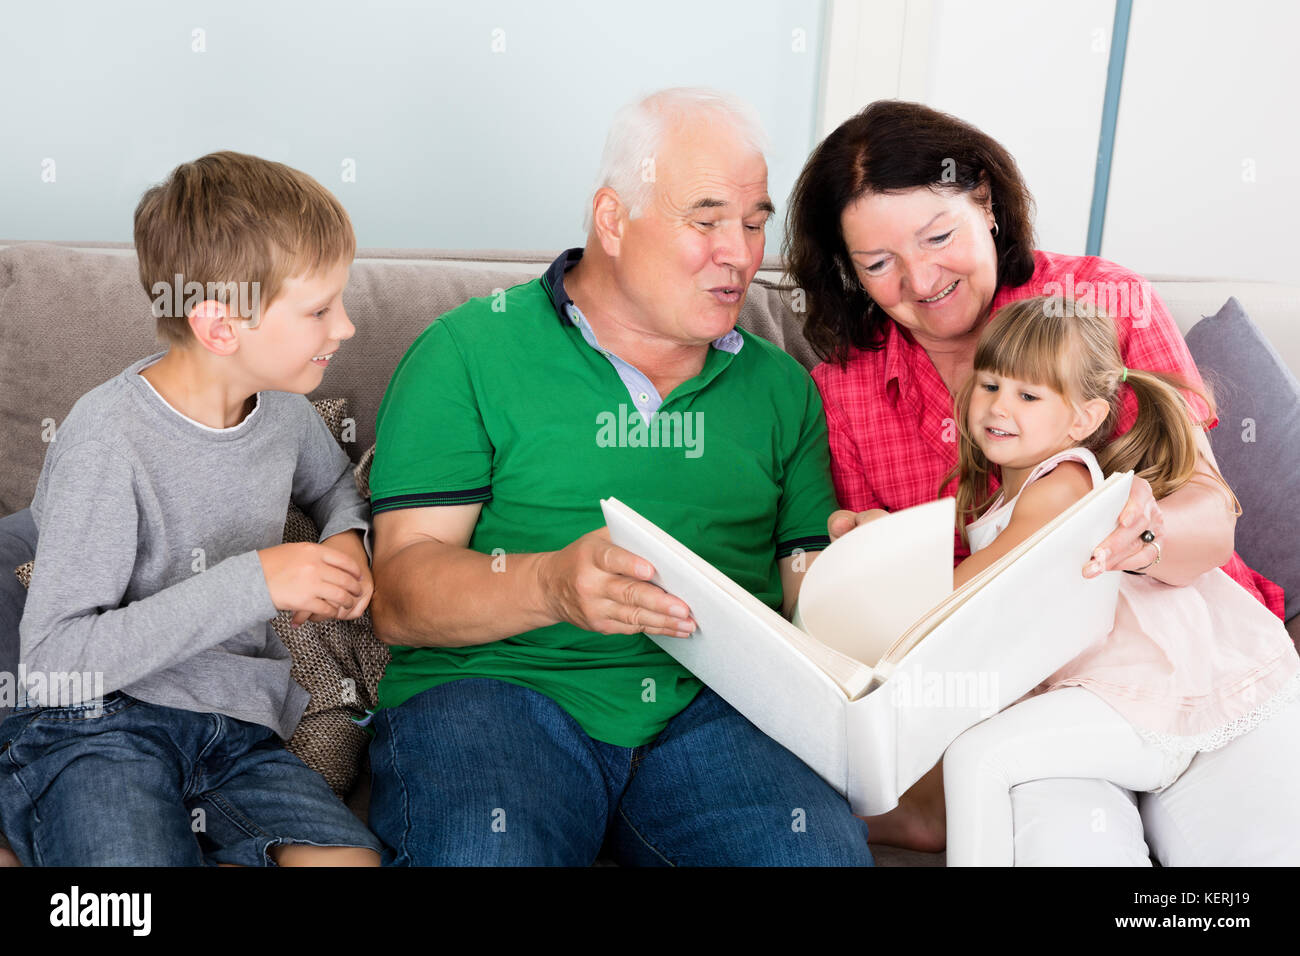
{"points": [[1049, 780]]}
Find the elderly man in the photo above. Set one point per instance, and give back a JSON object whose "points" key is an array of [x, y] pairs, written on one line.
{"points": [[525, 718]]}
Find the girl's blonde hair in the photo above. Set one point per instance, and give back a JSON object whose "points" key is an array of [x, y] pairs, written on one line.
{"points": [[1071, 348]]}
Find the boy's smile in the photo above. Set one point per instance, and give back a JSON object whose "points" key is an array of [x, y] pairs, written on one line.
{"points": [[300, 333]]}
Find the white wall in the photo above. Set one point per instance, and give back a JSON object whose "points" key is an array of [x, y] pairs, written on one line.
{"points": [[1030, 74], [1206, 174], [874, 49], [1033, 76], [1207, 151], [456, 144]]}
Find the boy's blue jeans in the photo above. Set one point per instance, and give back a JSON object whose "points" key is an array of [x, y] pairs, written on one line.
{"points": [[121, 782], [485, 772], [17, 546]]}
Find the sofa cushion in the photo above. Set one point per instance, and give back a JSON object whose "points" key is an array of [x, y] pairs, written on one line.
{"points": [[1257, 443], [339, 663], [63, 330]]}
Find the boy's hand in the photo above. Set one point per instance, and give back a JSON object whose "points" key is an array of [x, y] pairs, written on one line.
{"points": [[312, 579], [349, 543]]}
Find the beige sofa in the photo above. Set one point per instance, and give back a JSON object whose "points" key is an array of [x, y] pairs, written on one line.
{"points": [[73, 315]]}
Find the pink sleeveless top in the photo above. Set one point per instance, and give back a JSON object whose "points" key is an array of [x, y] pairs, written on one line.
{"points": [[1190, 667]]}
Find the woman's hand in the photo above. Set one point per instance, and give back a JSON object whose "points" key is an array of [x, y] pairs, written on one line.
{"points": [[1124, 549], [842, 522]]}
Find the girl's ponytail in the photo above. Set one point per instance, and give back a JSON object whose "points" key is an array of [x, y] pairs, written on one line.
{"points": [[1161, 445]]}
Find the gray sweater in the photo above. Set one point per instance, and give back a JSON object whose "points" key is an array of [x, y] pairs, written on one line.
{"points": [[146, 564]]}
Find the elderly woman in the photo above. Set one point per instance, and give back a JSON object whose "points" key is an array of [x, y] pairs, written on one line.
{"points": [[907, 230]]}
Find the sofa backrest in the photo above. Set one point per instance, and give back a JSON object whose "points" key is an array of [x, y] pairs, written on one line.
{"points": [[72, 317]]}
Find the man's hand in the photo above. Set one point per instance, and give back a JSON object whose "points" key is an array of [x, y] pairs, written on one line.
{"points": [[314, 581], [842, 522], [597, 586]]}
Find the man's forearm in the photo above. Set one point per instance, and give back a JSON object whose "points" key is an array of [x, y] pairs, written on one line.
{"points": [[431, 594], [1199, 532]]}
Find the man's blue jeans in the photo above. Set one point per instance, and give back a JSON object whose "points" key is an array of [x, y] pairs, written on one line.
{"points": [[489, 773]]}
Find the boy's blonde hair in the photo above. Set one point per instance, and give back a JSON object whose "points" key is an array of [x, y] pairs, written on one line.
{"points": [[230, 218], [1071, 348]]}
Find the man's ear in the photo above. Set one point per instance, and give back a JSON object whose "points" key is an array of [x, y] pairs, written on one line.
{"points": [[212, 323], [608, 219], [1088, 418]]}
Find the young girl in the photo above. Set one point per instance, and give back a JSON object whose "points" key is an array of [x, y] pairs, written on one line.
{"points": [[1185, 669]]}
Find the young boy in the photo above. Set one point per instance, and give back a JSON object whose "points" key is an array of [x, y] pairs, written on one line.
{"points": [[157, 691]]}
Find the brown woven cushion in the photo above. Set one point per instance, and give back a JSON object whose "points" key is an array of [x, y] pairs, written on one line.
{"points": [[338, 662], [362, 474]]}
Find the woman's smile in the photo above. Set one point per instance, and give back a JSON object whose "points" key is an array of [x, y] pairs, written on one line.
{"points": [[940, 296]]}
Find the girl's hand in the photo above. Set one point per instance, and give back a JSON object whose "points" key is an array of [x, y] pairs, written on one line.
{"points": [[1124, 549], [842, 522]]}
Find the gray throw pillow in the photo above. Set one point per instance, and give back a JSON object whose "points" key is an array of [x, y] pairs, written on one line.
{"points": [[1257, 443]]}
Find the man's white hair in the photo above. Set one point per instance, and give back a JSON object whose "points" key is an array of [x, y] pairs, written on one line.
{"points": [[627, 165]]}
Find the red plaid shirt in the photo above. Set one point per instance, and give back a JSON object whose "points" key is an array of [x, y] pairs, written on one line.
{"points": [[890, 416]]}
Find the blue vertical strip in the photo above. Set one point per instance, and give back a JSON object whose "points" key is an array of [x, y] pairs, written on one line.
{"points": [[1109, 115]]}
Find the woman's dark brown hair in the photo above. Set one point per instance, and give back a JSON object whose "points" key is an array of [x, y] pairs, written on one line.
{"points": [[891, 146]]}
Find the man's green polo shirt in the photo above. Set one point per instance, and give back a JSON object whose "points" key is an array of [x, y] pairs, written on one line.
{"points": [[502, 402]]}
